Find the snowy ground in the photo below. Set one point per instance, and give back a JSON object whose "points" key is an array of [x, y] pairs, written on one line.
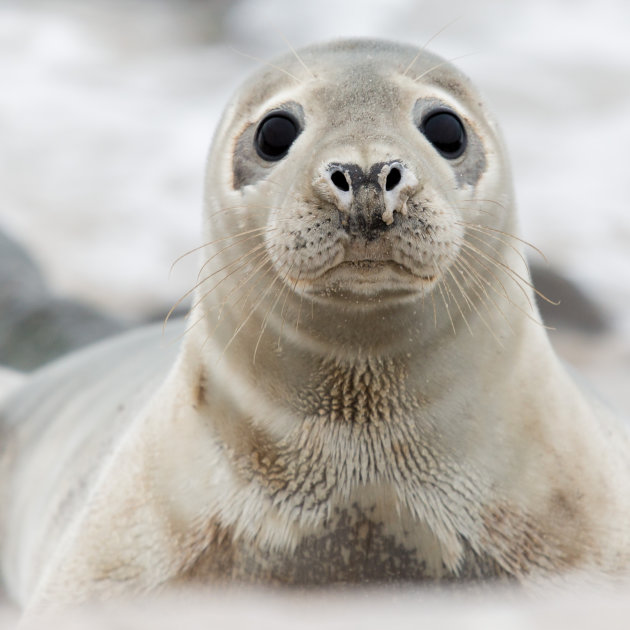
{"points": [[369, 610]]}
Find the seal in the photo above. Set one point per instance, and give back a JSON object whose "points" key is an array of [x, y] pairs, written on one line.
{"points": [[363, 393]]}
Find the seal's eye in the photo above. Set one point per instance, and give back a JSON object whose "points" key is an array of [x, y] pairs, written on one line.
{"points": [[275, 135], [445, 131]]}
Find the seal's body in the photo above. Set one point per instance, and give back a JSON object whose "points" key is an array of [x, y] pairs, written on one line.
{"points": [[363, 393]]}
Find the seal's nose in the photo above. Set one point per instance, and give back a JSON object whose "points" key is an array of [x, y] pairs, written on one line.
{"points": [[368, 200]]}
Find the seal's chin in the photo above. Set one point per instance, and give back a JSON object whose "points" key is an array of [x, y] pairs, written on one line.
{"points": [[368, 279]]}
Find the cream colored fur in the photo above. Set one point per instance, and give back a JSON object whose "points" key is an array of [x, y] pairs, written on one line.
{"points": [[343, 409]]}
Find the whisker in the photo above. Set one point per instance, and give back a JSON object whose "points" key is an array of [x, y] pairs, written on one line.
{"points": [[258, 273], [200, 282], [296, 55], [511, 271], [426, 44], [498, 204], [466, 299], [285, 287], [262, 259], [179, 338], [219, 308], [239, 242], [266, 63], [444, 63], [506, 296], [297, 321], [487, 228], [471, 273], [516, 277], [471, 260], [294, 288], [214, 242], [248, 208], [434, 310], [446, 306], [493, 247], [262, 294]]}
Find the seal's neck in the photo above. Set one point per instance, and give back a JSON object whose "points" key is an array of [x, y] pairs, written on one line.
{"points": [[427, 346]]}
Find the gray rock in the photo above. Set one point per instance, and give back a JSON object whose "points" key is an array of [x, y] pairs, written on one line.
{"points": [[36, 326], [575, 309]]}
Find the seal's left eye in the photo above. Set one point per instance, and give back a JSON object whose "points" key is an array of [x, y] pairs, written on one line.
{"points": [[275, 135], [445, 131]]}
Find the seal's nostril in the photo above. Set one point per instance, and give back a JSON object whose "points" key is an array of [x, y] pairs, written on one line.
{"points": [[339, 180], [393, 178]]}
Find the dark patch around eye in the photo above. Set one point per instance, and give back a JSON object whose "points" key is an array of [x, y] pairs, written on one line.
{"points": [[248, 167]]}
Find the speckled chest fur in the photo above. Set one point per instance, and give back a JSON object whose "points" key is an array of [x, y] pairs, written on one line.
{"points": [[359, 430]]}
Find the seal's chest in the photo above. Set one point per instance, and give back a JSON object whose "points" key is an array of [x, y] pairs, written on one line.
{"points": [[352, 547], [356, 545]]}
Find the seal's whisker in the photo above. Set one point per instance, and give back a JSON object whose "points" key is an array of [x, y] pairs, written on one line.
{"points": [[233, 244], [446, 305], [237, 207], [261, 296], [470, 261], [266, 63], [498, 204], [282, 311], [264, 265], [284, 287], [442, 64], [242, 262], [262, 259], [219, 308], [428, 42], [422, 300], [474, 276], [202, 281], [297, 321], [473, 284], [464, 296], [467, 272], [486, 229], [472, 258], [186, 330], [516, 279], [520, 254], [215, 241], [248, 209], [499, 264], [478, 237], [297, 56], [448, 185]]}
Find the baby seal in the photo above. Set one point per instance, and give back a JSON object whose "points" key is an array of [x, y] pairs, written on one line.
{"points": [[363, 393]]}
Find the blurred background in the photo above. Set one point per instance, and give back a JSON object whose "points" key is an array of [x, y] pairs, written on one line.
{"points": [[107, 108]]}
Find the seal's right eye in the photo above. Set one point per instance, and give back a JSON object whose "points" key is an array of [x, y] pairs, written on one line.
{"points": [[275, 135]]}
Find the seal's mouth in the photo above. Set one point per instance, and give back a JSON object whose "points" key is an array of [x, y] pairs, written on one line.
{"points": [[369, 267], [369, 278]]}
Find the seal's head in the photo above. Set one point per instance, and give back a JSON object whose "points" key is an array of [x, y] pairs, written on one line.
{"points": [[359, 171]]}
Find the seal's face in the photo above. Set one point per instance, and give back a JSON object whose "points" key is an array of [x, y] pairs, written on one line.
{"points": [[360, 172]]}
